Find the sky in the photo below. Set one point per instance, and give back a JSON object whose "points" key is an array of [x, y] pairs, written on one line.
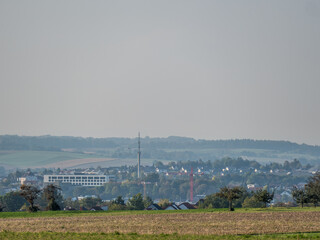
{"points": [[204, 69]]}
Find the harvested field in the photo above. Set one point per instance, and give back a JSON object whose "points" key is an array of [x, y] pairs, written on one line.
{"points": [[217, 223]]}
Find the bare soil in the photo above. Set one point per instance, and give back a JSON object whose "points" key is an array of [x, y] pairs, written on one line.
{"points": [[218, 223]]}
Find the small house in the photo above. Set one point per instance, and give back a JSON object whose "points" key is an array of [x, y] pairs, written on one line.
{"points": [[173, 206], [154, 206], [186, 205]]}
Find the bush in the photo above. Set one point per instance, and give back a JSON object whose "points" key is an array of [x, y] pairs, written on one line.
{"points": [[251, 202]]}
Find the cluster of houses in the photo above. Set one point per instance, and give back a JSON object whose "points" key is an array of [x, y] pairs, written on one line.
{"points": [[154, 206], [172, 206]]}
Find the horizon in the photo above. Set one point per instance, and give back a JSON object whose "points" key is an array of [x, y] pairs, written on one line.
{"points": [[164, 137]]}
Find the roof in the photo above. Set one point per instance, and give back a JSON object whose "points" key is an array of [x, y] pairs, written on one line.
{"points": [[174, 206], [188, 205], [154, 205], [96, 208]]}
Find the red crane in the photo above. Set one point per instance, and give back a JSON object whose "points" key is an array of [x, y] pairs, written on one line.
{"points": [[191, 185]]}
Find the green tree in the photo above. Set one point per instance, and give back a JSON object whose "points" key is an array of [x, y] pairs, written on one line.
{"points": [[118, 204], [30, 193], [251, 202], [230, 194], [12, 201], [147, 202], [152, 177], [313, 189], [119, 200], [163, 203], [300, 196], [214, 201], [89, 202], [51, 193], [136, 202], [69, 203], [263, 196]]}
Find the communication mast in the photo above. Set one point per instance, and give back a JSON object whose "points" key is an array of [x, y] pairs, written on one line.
{"points": [[139, 155]]}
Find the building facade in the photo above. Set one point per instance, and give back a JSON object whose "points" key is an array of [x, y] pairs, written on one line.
{"points": [[79, 179]]}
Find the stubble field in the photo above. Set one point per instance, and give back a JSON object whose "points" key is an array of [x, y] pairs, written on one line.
{"points": [[176, 224]]}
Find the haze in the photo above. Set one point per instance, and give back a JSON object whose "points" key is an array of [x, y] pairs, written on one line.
{"points": [[203, 69]]}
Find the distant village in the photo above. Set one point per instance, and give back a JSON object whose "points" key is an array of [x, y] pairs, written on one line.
{"points": [[179, 183]]}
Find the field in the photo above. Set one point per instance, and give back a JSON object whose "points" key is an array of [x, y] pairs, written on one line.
{"points": [[51, 159], [199, 224], [47, 159]]}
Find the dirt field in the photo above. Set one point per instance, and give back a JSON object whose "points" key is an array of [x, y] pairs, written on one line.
{"points": [[182, 223]]}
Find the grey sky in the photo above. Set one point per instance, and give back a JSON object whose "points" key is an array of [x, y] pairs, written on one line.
{"points": [[203, 69]]}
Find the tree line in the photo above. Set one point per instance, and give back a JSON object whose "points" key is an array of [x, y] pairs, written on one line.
{"points": [[56, 143]]}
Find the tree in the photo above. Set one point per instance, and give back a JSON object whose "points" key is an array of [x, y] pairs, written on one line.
{"points": [[300, 196], [213, 201], [89, 202], [51, 193], [230, 194], [263, 196], [30, 193], [164, 203], [119, 200], [118, 204], [313, 189], [136, 202], [12, 201], [152, 177], [147, 202], [251, 202]]}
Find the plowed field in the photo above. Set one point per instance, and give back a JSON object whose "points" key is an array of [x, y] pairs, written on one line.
{"points": [[217, 223]]}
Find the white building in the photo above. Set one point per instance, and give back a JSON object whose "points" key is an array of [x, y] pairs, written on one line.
{"points": [[80, 179]]}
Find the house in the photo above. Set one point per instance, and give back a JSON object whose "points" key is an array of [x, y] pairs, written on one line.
{"points": [[154, 206], [69, 209], [105, 208], [172, 206], [28, 180], [186, 205], [96, 208]]}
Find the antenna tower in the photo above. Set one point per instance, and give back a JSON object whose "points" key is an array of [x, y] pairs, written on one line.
{"points": [[139, 155]]}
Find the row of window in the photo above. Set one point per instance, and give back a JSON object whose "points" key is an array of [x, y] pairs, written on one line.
{"points": [[103, 181], [84, 183], [67, 178]]}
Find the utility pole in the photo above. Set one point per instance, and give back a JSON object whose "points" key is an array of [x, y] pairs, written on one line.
{"points": [[139, 155]]}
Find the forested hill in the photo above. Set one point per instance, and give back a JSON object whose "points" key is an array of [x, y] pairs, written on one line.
{"points": [[55, 143]]}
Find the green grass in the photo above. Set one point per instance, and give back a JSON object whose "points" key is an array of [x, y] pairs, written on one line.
{"points": [[136, 212], [133, 236]]}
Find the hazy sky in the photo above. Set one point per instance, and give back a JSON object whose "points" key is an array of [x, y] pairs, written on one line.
{"points": [[203, 69]]}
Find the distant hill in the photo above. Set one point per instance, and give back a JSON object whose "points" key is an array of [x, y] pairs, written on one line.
{"points": [[16, 150]]}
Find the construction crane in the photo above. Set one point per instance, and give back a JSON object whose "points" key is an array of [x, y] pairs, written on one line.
{"points": [[191, 185]]}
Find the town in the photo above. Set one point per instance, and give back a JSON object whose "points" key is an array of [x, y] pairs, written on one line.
{"points": [[169, 185]]}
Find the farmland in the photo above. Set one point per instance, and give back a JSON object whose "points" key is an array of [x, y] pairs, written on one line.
{"points": [[24, 159], [52, 159], [49, 151], [163, 224]]}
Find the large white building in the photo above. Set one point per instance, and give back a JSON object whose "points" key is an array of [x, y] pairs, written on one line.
{"points": [[80, 179]]}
